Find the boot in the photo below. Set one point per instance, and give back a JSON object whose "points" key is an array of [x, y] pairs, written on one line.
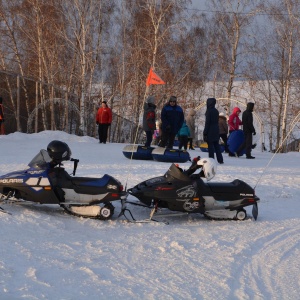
{"points": [[191, 144]]}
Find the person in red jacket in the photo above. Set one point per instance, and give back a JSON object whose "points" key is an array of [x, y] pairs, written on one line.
{"points": [[103, 120], [234, 121]]}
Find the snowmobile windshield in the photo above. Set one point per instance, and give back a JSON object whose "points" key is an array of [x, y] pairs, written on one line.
{"points": [[175, 173], [41, 160]]}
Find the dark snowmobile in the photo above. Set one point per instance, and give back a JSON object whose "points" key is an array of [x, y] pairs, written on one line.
{"points": [[47, 182], [184, 191]]}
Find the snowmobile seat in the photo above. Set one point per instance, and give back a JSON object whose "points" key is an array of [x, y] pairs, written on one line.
{"points": [[64, 180], [233, 190]]}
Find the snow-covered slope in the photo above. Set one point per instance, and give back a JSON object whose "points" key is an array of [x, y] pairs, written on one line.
{"points": [[48, 254]]}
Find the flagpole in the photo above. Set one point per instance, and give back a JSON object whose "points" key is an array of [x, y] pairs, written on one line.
{"points": [[148, 83]]}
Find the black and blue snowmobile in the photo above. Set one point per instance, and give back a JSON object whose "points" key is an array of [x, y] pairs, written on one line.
{"points": [[47, 182], [186, 192]]}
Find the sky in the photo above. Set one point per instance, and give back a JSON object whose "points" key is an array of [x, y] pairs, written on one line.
{"points": [[48, 254]]}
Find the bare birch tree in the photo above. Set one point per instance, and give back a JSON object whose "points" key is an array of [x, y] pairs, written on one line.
{"points": [[229, 33]]}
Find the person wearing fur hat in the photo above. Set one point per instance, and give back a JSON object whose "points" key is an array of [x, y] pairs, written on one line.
{"points": [[211, 130], [172, 118], [190, 121], [223, 130], [149, 116], [103, 120]]}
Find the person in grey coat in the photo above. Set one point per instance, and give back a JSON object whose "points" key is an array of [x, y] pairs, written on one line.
{"points": [[223, 130], [149, 119], [190, 121], [211, 130]]}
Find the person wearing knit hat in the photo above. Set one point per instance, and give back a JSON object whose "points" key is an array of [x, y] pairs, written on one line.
{"points": [[149, 116], [172, 118], [103, 120]]}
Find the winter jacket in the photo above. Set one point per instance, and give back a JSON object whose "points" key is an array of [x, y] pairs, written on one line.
{"points": [[248, 119], [184, 130], [104, 115], [223, 127], [234, 121], [172, 118], [149, 117], [190, 121], [211, 128]]}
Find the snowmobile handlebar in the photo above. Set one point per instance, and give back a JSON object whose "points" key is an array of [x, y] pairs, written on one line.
{"points": [[76, 161]]}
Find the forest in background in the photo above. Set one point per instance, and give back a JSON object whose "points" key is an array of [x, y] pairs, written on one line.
{"points": [[60, 58]]}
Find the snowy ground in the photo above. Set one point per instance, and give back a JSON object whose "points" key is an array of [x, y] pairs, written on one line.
{"points": [[47, 254]]}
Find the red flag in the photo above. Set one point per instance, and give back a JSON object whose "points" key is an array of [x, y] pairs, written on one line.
{"points": [[153, 78]]}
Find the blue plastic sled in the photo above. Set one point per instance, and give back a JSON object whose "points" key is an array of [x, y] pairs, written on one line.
{"points": [[235, 140], [204, 147], [138, 152], [170, 155]]}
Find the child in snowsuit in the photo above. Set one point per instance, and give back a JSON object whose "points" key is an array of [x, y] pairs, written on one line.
{"points": [[183, 136]]}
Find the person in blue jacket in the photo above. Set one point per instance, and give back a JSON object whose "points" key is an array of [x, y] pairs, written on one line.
{"points": [[172, 118], [211, 130], [183, 136]]}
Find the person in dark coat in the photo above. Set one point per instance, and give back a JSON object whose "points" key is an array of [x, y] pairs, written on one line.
{"points": [[211, 130], [149, 119], [172, 118], [249, 130], [223, 130]]}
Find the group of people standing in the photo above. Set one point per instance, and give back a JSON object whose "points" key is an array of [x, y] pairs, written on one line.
{"points": [[216, 127], [172, 124]]}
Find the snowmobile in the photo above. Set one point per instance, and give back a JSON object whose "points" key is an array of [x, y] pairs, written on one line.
{"points": [[47, 182], [186, 192]]}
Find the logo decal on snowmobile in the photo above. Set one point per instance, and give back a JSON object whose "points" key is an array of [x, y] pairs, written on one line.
{"points": [[190, 205], [12, 180], [187, 191], [163, 188], [251, 195], [36, 172]]}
